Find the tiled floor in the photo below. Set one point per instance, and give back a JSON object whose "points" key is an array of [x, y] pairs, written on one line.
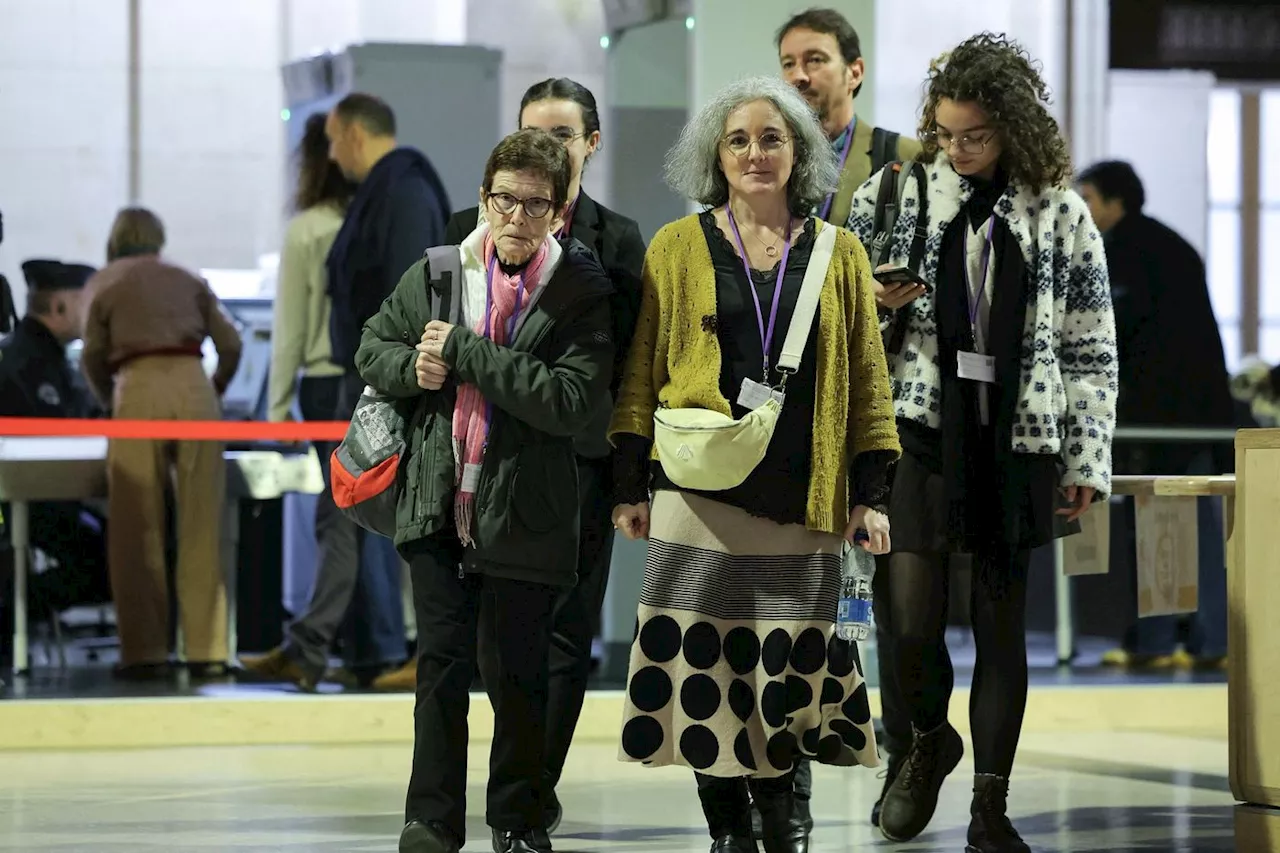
{"points": [[1077, 793]]}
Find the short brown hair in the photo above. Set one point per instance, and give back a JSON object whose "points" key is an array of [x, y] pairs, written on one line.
{"points": [[532, 150], [828, 22], [371, 112], [136, 231]]}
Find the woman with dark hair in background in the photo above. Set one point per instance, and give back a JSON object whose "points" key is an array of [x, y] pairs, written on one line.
{"points": [[567, 110], [301, 369], [1005, 378], [304, 376]]}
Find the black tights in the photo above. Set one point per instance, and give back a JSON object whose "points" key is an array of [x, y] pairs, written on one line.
{"points": [[917, 587]]}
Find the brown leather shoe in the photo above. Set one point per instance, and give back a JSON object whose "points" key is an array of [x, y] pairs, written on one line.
{"points": [[402, 680], [276, 665]]}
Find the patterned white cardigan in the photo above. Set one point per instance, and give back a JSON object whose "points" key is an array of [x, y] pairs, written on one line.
{"points": [[1067, 400]]}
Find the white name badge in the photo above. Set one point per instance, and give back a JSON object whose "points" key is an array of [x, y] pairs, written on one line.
{"points": [[755, 394], [470, 478], [976, 367]]}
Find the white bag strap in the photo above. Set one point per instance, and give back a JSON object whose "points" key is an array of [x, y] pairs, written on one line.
{"points": [[807, 302]]}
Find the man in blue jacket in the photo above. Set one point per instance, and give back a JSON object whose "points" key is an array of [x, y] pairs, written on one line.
{"points": [[399, 211]]}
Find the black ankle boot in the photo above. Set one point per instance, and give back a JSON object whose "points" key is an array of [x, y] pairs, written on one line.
{"points": [[990, 830], [893, 765], [728, 812], [781, 830], [912, 799], [733, 844]]}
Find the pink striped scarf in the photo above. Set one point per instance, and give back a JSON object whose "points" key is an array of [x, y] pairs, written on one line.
{"points": [[508, 296]]}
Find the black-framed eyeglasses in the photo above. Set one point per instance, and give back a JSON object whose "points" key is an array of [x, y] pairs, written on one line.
{"points": [[565, 135], [770, 142], [534, 206], [944, 139]]}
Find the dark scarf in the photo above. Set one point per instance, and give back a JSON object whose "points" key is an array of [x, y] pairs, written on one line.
{"points": [[975, 459]]}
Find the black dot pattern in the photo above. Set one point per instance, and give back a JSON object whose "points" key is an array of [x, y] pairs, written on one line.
{"points": [[642, 737], [660, 639], [809, 651], [700, 697], [702, 646], [742, 650], [734, 699], [700, 746], [650, 689], [742, 699]]}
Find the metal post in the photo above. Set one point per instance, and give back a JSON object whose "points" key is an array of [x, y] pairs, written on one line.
{"points": [[21, 565], [1062, 599]]}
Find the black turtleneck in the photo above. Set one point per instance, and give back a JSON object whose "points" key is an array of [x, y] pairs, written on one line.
{"points": [[511, 269], [985, 195]]}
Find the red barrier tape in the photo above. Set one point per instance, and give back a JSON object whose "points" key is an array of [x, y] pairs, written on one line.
{"points": [[176, 430]]}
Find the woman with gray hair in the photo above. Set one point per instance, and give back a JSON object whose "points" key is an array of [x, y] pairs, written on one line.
{"points": [[765, 466]]}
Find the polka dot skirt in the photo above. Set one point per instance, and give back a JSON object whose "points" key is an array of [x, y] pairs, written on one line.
{"points": [[735, 670]]}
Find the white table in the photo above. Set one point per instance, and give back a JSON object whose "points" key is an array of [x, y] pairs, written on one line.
{"points": [[75, 469]]}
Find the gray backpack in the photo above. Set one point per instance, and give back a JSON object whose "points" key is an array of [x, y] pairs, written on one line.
{"points": [[365, 471]]}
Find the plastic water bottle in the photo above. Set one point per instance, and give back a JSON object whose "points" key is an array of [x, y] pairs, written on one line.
{"points": [[853, 615]]}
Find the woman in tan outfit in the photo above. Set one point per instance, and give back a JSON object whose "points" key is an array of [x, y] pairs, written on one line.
{"points": [[144, 327]]}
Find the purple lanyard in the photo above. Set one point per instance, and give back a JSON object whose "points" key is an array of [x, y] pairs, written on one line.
{"points": [[766, 334], [974, 296], [844, 157]]}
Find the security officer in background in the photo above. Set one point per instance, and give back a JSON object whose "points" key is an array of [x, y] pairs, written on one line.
{"points": [[38, 381]]}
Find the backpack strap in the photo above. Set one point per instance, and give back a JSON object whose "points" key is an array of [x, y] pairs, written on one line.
{"points": [[886, 215], [884, 148], [918, 237], [444, 266], [888, 205]]}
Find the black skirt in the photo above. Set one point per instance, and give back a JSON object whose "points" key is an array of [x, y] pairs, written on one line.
{"points": [[1023, 488]]}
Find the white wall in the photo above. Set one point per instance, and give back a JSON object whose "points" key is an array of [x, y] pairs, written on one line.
{"points": [[63, 136], [212, 142], [541, 39], [905, 46]]}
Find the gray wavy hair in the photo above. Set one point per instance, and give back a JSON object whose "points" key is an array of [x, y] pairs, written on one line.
{"points": [[693, 164]]}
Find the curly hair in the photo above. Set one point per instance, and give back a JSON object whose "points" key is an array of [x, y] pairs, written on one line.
{"points": [[693, 163], [998, 75]]}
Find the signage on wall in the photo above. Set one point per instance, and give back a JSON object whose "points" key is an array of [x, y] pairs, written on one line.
{"points": [[1234, 39]]}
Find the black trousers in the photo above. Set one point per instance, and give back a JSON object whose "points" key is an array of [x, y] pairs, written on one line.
{"points": [[575, 619], [448, 609]]}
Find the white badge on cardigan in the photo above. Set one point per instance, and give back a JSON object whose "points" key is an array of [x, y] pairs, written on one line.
{"points": [[976, 367], [755, 394]]}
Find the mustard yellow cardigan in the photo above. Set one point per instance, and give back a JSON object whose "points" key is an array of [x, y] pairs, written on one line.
{"points": [[675, 360]]}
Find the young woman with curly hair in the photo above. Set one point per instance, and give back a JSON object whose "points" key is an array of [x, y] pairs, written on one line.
{"points": [[1004, 374]]}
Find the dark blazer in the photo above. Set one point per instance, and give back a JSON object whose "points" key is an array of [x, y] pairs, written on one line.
{"points": [[36, 380], [617, 244]]}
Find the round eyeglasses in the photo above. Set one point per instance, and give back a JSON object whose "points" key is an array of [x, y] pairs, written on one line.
{"points": [[534, 207], [770, 142], [967, 144]]}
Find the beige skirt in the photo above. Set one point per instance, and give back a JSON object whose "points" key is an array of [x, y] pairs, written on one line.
{"points": [[735, 669]]}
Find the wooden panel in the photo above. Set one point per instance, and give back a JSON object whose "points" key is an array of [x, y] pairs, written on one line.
{"points": [[1254, 630], [1200, 486], [1257, 829]]}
